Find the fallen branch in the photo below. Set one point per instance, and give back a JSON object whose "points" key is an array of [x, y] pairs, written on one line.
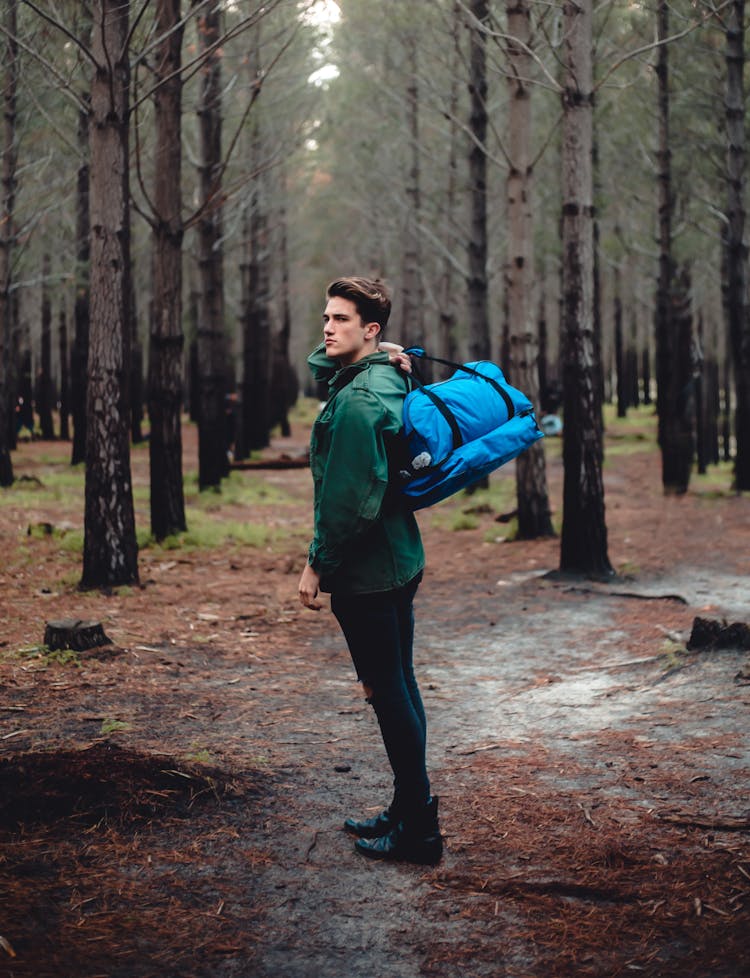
{"points": [[283, 462], [727, 823]]}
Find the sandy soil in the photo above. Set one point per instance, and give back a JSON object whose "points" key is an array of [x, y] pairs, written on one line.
{"points": [[171, 804]]}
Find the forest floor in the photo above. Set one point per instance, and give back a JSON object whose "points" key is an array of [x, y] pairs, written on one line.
{"points": [[171, 804]]}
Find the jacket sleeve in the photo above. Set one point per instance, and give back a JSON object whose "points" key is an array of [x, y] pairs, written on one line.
{"points": [[354, 480]]}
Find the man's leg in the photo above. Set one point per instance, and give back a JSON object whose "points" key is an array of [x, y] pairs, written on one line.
{"points": [[374, 626]]}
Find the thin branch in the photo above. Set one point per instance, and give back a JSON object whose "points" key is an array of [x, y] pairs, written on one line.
{"points": [[502, 36], [138, 167], [61, 27], [202, 55], [158, 41], [654, 45], [66, 88], [133, 28], [257, 88]]}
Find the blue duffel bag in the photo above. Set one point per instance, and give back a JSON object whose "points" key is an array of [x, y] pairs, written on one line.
{"points": [[459, 430]]}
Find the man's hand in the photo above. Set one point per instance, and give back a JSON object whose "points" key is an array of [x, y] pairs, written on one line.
{"points": [[397, 356], [309, 587]]}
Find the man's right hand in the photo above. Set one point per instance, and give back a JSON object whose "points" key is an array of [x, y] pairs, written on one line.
{"points": [[309, 588]]}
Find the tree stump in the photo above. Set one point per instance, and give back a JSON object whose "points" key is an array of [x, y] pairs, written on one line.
{"points": [[708, 633], [72, 633]]}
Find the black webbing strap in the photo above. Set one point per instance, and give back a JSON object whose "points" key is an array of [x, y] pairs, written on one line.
{"points": [[446, 413], [417, 351]]}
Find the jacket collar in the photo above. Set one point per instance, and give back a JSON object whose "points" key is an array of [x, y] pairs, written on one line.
{"points": [[325, 369]]}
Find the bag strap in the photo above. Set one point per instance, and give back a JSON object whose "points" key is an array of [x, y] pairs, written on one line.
{"points": [[417, 351], [446, 412]]}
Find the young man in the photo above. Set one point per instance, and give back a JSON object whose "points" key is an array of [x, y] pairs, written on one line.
{"points": [[367, 552]]}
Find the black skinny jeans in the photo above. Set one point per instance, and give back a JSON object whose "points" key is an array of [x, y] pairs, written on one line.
{"points": [[379, 630]]}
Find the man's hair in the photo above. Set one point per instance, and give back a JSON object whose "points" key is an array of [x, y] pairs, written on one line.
{"points": [[370, 296]]}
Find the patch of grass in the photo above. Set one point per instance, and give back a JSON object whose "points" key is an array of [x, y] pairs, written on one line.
{"points": [[61, 657], [464, 521], [672, 654], [205, 532], [715, 483], [201, 756], [636, 432], [238, 489], [305, 411], [110, 726]]}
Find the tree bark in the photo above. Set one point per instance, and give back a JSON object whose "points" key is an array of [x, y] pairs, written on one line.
{"points": [[165, 383], [110, 552], [62, 338], [7, 235], [413, 288], [256, 325], [80, 351], [736, 252], [584, 533], [478, 308], [213, 463], [447, 339], [44, 394], [672, 305], [534, 517]]}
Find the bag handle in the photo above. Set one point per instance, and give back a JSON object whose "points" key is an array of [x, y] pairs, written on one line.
{"points": [[417, 351]]}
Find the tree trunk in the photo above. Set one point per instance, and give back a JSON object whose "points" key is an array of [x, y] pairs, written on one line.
{"points": [[447, 340], [165, 387], [677, 416], [110, 552], [213, 464], [136, 368], [80, 353], [534, 519], [736, 303], [620, 366], [62, 335], [584, 533], [256, 325], [478, 309], [44, 394], [673, 372], [9, 159], [412, 303], [284, 385]]}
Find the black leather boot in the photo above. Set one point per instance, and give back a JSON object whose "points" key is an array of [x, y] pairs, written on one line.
{"points": [[372, 828], [415, 840]]}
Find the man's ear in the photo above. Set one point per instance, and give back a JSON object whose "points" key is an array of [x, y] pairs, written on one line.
{"points": [[372, 330]]}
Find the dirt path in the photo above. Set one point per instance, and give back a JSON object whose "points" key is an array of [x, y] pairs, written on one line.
{"points": [[173, 806]]}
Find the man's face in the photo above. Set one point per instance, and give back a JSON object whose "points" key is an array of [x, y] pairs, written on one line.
{"points": [[347, 337]]}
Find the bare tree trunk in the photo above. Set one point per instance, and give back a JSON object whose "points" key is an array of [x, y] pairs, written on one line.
{"points": [[62, 337], [256, 322], [136, 368], [672, 304], [478, 284], [44, 376], [284, 385], [584, 533], [413, 287], [736, 301], [534, 519], [447, 340], [9, 158], [110, 552], [620, 365], [165, 386], [213, 464]]}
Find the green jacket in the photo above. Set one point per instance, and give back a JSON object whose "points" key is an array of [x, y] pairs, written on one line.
{"points": [[366, 537]]}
